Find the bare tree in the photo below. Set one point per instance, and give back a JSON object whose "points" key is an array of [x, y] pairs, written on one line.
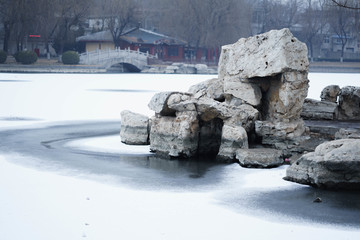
{"points": [[71, 14], [9, 17], [341, 21], [120, 14], [276, 14], [208, 23], [313, 21]]}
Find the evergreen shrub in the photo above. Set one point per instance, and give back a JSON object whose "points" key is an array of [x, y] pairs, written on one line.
{"points": [[3, 56], [16, 56], [27, 57], [70, 57]]}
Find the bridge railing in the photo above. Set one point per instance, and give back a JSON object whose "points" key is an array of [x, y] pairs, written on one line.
{"points": [[104, 55]]}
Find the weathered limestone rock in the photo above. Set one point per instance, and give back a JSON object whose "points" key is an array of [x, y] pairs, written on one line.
{"points": [[347, 133], [233, 138], [264, 55], [243, 115], [175, 136], [334, 164], [259, 157], [134, 128], [261, 78], [286, 96], [330, 93], [212, 88], [158, 104], [349, 103], [181, 102], [319, 110], [248, 92]]}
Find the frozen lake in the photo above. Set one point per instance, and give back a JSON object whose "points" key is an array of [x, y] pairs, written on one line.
{"points": [[65, 175]]}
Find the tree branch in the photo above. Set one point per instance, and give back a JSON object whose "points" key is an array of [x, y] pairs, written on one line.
{"points": [[345, 5]]}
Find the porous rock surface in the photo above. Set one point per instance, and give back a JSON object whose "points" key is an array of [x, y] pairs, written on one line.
{"points": [[264, 55], [334, 164], [260, 157], [319, 110], [349, 103], [134, 128]]}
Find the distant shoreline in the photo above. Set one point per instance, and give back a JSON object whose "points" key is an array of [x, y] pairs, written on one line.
{"points": [[53, 66]]}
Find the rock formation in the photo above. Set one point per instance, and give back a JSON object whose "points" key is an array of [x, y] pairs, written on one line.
{"points": [[334, 164], [257, 99], [335, 104]]}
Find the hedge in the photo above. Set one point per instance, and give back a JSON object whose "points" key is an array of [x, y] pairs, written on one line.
{"points": [[70, 57], [27, 57]]}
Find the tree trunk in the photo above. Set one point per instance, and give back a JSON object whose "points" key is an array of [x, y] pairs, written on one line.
{"points": [[7, 31]]}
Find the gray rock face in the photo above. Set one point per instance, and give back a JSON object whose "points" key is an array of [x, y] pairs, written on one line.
{"points": [[134, 128], [248, 92], [349, 103], [233, 138], [212, 88], [334, 164], [158, 103], [330, 93], [175, 136], [286, 96], [264, 55], [319, 110], [259, 157]]}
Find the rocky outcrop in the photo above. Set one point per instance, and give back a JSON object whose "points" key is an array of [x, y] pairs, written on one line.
{"points": [[334, 164], [134, 128], [336, 104], [257, 98]]}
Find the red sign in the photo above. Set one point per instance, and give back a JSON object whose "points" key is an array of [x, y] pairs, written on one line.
{"points": [[34, 36]]}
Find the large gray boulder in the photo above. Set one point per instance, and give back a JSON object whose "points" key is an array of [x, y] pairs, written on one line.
{"points": [[134, 128], [334, 164], [264, 55], [259, 157], [349, 103], [319, 110]]}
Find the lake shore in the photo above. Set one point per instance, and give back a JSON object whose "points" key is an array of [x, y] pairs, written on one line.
{"points": [[54, 66]]}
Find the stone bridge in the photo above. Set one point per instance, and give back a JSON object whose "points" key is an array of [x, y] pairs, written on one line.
{"points": [[135, 61]]}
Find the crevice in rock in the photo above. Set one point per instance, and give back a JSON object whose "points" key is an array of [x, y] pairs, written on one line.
{"points": [[210, 137]]}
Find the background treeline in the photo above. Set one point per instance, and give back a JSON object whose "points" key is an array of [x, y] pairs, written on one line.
{"points": [[202, 23]]}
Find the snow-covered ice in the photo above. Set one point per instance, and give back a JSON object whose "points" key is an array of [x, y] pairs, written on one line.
{"points": [[40, 204]]}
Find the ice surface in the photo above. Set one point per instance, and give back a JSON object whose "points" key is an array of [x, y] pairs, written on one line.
{"points": [[39, 204]]}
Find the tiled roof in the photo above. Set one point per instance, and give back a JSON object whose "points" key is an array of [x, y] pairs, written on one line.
{"points": [[135, 35]]}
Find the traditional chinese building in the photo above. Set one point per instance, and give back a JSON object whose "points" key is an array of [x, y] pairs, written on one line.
{"points": [[165, 47]]}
